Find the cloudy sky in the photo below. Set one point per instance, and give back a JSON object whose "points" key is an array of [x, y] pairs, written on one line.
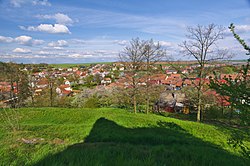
{"points": [[79, 31]]}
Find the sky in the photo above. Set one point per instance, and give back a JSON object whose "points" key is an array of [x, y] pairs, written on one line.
{"points": [[84, 31]]}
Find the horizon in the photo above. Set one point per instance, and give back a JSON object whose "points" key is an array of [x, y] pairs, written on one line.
{"points": [[48, 31]]}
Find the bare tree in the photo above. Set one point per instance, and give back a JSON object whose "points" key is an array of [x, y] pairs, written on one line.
{"points": [[51, 83], [153, 52], [132, 58], [202, 45]]}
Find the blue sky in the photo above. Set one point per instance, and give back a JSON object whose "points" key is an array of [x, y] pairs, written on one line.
{"points": [[78, 31]]}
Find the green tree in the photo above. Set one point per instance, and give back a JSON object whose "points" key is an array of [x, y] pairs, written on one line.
{"points": [[238, 90], [19, 91], [238, 93]]}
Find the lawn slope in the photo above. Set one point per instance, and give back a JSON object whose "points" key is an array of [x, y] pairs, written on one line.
{"points": [[59, 136]]}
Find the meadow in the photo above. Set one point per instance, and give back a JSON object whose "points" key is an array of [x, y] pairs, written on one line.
{"points": [[109, 136], [70, 65]]}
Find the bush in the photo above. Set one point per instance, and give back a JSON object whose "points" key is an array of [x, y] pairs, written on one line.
{"points": [[213, 113], [217, 112], [64, 101], [92, 102]]}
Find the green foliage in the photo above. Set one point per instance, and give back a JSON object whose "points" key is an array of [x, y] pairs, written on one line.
{"points": [[11, 73], [238, 90], [63, 101], [237, 141], [237, 37], [92, 102], [213, 112], [44, 98], [227, 70]]}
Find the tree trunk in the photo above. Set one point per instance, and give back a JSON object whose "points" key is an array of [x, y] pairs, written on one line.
{"points": [[134, 98], [147, 88], [51, 94], [32, 99], [147, 109], [199, 93], [199, 107]]}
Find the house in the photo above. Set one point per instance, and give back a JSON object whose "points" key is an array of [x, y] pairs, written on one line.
{"points": [[66, 82], [38, 91], [187, 82], [42, 83], [185, 71], [69, 69], [64, 90], [74, 69], [171, 71], [106, 81], [174, 82], [157, 79], [178, 85], [170, 102], [96, 71], [122, 68], [175, 76]]}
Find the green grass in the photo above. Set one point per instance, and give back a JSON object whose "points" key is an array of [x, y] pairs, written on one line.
{"points": [[113, 137]]}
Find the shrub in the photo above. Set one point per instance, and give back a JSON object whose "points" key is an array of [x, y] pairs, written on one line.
{"points": [[92, 102]]}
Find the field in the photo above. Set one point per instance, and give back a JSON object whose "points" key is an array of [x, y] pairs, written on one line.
{"points": [[108, 136], [68, 65]]}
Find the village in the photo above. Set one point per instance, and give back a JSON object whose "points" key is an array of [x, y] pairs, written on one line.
{"points": [[68, 82]]}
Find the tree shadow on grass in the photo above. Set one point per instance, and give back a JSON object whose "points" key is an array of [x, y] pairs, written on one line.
{"points": [[111, 144]]}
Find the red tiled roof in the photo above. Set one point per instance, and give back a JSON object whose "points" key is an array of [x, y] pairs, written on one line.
{"points": [[43, 81], [63, 86], [187, 82], [158, 77], [175, 76], [179, 83], [165, 82], [66, 92]]}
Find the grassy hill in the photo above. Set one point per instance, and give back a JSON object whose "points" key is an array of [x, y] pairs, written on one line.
{"points": [[60, 136]]}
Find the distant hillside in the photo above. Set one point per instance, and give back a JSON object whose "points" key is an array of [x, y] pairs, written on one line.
{"points": [[68, 65], [60, 136]]}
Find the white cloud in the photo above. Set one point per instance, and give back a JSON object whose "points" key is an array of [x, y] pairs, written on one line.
{"points": [[58, 44], [4, 39], [19, 3], [74, 56], [24, 40], [43, 53], [27, 40], [21, 50], [238, 29], [165, 44], [77, 41], [84, 55], [37, 42], [49, 28], [41, 2], [242, 28], [121, 42], [59, 18]]}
